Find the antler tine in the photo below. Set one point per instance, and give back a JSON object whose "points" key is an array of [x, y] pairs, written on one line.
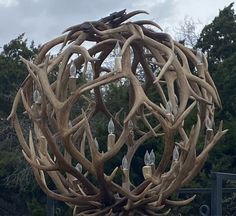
{"points": [[148, 22], [127, 16]]}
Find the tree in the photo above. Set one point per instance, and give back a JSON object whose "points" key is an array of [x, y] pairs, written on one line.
{"points": [[13, 71], [218, 41], [187, 31], [16, 180], [218, 38]]}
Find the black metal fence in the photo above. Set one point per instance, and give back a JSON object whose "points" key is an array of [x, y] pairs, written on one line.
{"points": [[218, 190], [215, 192]]}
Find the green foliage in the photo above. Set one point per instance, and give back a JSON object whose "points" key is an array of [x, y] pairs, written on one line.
{"points": [[36, 208], [12, 70], [219, 37], [229, 204], [225, 78], [218, 40], [5, 167], [16, 177]]}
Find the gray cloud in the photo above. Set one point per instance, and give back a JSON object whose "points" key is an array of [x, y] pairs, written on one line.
{"points": [[164, 10], [42, 20]]}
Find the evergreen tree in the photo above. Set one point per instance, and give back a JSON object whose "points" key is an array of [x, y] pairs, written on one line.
{"points": [[218, 38], [12, 70], [17, 183]]}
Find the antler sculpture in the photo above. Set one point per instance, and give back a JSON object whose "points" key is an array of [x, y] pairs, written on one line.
{"points": [[61, 141]]}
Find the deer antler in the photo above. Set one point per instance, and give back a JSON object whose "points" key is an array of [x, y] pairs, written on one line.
{"points": [[62, 107]]}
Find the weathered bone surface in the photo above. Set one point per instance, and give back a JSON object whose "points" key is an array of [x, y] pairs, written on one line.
{"points": [[61, 143]]}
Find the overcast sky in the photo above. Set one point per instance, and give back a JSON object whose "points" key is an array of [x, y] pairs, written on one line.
{"points": [[42, 20]]}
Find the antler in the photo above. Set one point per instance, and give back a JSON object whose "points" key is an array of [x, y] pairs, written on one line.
{"points": [[62, 107]]}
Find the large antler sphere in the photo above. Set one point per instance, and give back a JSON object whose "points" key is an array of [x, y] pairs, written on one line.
{"points": [[63, 96]]}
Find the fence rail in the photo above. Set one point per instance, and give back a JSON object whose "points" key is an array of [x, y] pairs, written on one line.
{"points": [[215, 191]]}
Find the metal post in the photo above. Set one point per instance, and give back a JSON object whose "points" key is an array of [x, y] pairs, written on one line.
{"points": [[216, 194], [50, 207]]}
